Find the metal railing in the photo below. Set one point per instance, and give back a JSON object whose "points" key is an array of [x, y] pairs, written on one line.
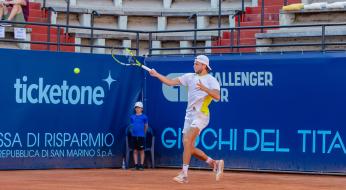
{"points": [[59, 44], [93, 14], [194, 16], [151, 34], [285, 2], [49, 21], [68, 5], [67, 15], [239, 14], [322, 42]]}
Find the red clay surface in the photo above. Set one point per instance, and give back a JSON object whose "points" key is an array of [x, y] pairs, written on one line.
{"points": [[154, 179]]}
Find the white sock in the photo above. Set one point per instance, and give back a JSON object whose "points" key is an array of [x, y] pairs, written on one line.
{"points": [[209, 160], [185, 169]]}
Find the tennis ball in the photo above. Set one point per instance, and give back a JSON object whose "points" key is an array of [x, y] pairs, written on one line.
{"points": [[76, 70]]}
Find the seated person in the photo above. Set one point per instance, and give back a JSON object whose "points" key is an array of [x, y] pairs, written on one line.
{"points": [[14, 10]]}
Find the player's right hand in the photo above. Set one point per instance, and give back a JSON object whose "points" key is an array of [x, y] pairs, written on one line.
{"points": [[153, 73]]}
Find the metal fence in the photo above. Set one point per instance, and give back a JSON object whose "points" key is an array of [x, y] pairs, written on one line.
{"points": [[150, 35]]}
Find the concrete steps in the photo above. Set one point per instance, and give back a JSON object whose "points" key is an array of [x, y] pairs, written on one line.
{"points": [[40, 33], [252, 17]]}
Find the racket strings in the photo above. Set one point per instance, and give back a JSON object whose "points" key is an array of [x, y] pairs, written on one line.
{"points": [[125, 57], [129, 59]]}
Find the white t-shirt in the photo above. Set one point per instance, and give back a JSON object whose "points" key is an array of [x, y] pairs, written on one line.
{"points": [[198, 99]]}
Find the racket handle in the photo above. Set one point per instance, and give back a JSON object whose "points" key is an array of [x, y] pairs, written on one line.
{"points": [[146, 68]]}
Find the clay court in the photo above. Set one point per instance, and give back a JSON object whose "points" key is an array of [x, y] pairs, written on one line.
{"points": [[159, 179]]}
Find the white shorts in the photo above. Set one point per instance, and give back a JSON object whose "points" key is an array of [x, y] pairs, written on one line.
{"points": [[195, 119]]}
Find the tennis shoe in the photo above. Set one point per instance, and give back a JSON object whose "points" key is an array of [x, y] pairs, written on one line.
{"points": [[181, 178], [218, 169]]}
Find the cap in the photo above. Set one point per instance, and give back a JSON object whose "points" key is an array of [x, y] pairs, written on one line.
{"points": [[204, 60], [139, 104]]}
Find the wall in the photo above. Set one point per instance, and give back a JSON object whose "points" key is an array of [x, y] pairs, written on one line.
{"points": [[53, 118], [279, 112]]}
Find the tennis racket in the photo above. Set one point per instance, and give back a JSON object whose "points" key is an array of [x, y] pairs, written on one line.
{"points": [[127, 58]]}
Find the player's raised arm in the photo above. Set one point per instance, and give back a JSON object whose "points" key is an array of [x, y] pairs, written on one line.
{"points": [[165, 80]]}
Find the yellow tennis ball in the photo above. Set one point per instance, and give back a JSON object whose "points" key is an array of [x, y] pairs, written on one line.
{"points": [[76, 70]]}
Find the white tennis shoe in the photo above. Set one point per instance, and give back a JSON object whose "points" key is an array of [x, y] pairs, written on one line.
{"points": [[218, 169], [181, 178]]}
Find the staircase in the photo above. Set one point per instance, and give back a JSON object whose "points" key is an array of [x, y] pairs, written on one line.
{"points": [[40, 33], [251, 17]]}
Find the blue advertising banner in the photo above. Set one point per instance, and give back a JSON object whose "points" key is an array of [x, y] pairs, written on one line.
{"points": [[281, 112], [52, 117]]}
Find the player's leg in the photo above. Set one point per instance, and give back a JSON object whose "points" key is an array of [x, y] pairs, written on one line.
{"points": [[200, 123], [182, 176], [189, 139], [135, 158], [217, 165], [199, 154]]}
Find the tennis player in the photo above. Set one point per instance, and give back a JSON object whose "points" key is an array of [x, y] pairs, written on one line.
{"points": [[202, 89]]}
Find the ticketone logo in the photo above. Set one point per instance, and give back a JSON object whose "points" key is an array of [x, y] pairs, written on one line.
{"points": [[43, 93]]}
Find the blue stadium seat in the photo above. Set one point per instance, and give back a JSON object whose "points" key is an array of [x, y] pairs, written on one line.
{"points": [[150, 145], [128, 133]]}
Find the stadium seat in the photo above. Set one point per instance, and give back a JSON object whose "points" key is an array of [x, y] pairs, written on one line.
{"points": [[150, 145], [128, 133]]}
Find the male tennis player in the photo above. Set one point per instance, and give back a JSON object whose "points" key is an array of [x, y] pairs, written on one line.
{"points": [[202, 88]]}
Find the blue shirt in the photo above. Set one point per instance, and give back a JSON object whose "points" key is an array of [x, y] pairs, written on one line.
{"points": [[138, 122]]}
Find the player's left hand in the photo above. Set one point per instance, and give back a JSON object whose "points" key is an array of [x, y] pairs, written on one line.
{"points": [[201, 86]]}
